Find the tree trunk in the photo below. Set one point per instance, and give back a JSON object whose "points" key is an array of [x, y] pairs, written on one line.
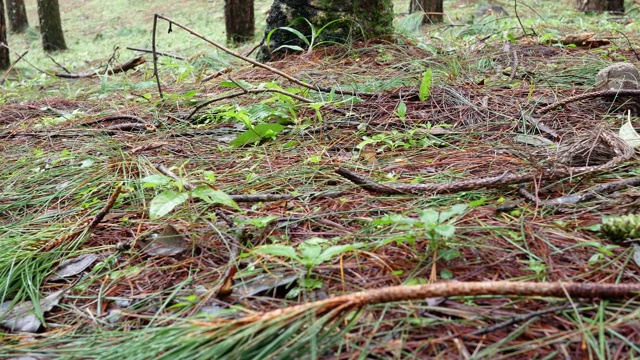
{"points": [[433, 10], [51, 25], [17, 12], [345, 20], [614, 6], [239, 20], [4, 50]]}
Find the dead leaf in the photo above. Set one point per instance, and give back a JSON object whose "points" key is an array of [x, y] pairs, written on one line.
{"points": [[584, 40], [74, 266], [271, 284], [22, 317], [370, 156], [169, 243], [534, 140], [226, 285], [577, 39], [636, 254], [629, 134]]}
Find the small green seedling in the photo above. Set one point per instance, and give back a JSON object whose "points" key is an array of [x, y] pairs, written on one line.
{"points": [[169, 199], [311, 253]]}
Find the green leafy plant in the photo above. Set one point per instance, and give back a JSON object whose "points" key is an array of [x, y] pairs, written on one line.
{"points": [[432, 225], [309, 42], [425, 85], [413, 138], [401, 111], [263, 120], [311, 253], [169, 199]]}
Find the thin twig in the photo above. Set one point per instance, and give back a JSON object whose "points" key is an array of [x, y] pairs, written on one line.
{"points": [[514, 66], [216, 74], [131, 64], [86, 226], [107, 207], [27, 61], [161, 53], [246, 91], [625, 151], [630, 44], [390, 294], [155, 55], [59, 65], [163, 170], [515, 11], [6, 73], [115, 117], [519, 318], [259, 64], [589, 95]]}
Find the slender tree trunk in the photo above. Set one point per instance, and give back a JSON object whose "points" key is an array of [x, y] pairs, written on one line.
{"points": [[17, 12], [51, 25], [433, 10], [239, 20], [4, 50], [615, 6]]}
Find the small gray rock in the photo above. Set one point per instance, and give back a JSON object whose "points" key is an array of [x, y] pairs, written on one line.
{"points": [[491, 10], [618, 76]]}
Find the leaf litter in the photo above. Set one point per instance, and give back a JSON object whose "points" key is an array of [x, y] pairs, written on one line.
{"points": [[487, 137]]}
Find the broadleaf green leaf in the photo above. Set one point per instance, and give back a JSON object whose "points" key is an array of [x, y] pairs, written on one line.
{"points": [[212, 196], [154, 180], [333, 251], [256, 134], [164, 202], [425, 85], [278, 250], [445, 230]]}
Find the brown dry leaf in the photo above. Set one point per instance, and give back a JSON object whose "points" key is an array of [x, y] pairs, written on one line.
{"points": [[577, 39], [436, 130], [584, 40], [226, 285], [370, 156], [73, 266], [22, 317], [266, 285], [169, 243]]}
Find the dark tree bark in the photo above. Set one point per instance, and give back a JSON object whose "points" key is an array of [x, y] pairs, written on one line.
{"points": [[239, 20], [350, 20], [4, 50], [51, 25], [432, 9], [614, 6], [17, 13]]}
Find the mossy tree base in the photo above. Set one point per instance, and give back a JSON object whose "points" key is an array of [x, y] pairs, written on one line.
{"points": [[371, 18]]}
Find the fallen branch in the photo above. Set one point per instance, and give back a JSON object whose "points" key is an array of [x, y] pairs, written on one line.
{"points": [[589, 95], [131, 64], [115, 117], [361, 299], [623, 151]]}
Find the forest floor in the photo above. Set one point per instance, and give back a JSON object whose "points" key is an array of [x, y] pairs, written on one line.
{"points": [[433, 167]]}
